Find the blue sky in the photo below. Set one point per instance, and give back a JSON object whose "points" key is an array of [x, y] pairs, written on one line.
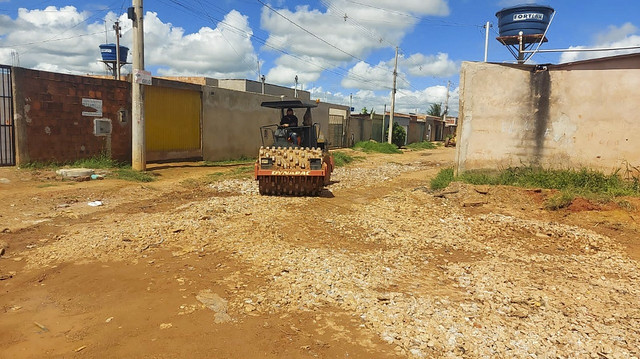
{"points": [[337, 48]]}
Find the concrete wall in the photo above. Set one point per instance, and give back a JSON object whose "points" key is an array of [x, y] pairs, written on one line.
{"points": [[232, 120], [573, 115], [204, 81], [376, 128], [52, 124], [256, 87], [415, 131], [231, 123]]}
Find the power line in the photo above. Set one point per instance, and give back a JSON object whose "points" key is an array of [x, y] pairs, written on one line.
{"points": [[373, 35], [50, 40], [227, 40], [309, 32], [56, 37], [210, 18], [253, 36], [405, 14], [326, 42]]}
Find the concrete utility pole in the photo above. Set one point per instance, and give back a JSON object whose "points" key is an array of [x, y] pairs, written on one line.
{"points": [[138, 144], [117, 28], [393, 97], [259, 73], [446, 104], [295, 93], [486, 40], [384, 113]]}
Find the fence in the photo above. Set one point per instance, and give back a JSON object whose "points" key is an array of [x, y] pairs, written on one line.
{"points": [[7, 131]]}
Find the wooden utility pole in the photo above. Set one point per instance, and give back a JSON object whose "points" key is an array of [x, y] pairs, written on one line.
{"points": [[393, 97], [138, 144]]}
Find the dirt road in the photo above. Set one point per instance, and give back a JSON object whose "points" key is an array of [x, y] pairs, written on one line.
{"points": [[198, 265]]}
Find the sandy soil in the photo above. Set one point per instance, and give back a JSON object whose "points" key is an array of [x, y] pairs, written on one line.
{"points": [[200, 266]]}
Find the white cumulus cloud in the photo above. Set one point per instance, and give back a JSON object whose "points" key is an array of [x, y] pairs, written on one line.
{"points": [[346, 31], [626, 35], [66, 40], [407, 101], [223, 52], [430, 65]]}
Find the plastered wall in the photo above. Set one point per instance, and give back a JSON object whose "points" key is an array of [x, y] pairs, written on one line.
{"points": [[570, 116], [232, 121]]}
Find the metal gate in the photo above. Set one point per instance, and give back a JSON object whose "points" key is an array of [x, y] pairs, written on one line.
{"points": [[172, 123], [336, 125], [7, 145]]}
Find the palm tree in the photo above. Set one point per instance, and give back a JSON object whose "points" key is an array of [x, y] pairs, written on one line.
{"points": [[435, 110]]}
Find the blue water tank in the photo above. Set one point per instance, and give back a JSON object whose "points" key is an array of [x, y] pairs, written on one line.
{"points": [[108, 52], [530, 19]]}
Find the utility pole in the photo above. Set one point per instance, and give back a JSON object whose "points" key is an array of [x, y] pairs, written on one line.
{"points": [[117, 28], [446, 104], [15, 58], [262, 80], [259, 70], [486, 40], [295, 93], [393, 97], [138, 145], [384, 113]]}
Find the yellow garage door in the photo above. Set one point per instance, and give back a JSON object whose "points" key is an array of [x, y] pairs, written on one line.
{"points": [[172, 120]]}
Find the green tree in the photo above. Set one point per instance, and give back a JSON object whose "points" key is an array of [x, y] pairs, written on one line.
{"points": [[398, 135], [364, 111], [435, 110]]}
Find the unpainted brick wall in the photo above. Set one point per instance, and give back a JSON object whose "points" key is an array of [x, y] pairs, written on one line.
{"points": [[50, 126]]}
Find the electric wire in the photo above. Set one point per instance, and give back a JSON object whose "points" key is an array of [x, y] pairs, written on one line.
{"points": [[309, 32], [339, 71], [227, 40], [372, 34], [405, 14], [257, 38], [326, 42], [57, 36]]}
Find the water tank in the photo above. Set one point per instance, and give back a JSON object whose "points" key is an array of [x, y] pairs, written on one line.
{"points": [[108, 52], [530, 19]]}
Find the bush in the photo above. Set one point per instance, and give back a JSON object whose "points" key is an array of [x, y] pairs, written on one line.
{"points": [[101, 161], [425, 145], [442, 179], [571, 183], [398, 135], [128, 174], [561, 200], [583, 181], [340, 158], [369, 146]]}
